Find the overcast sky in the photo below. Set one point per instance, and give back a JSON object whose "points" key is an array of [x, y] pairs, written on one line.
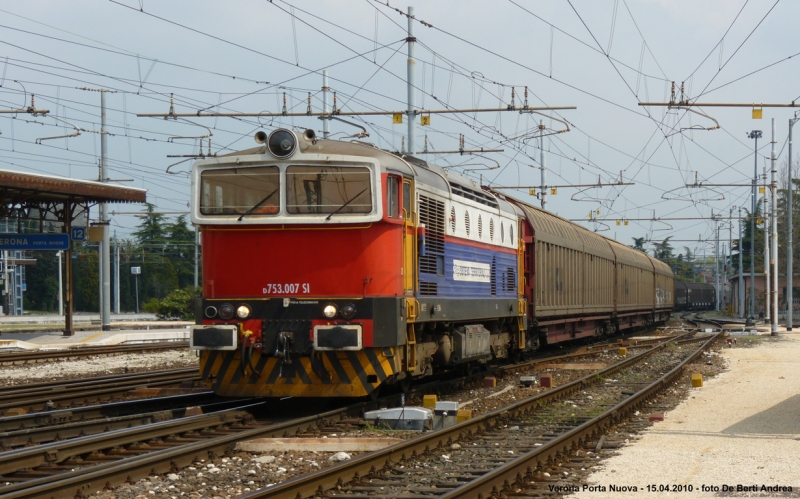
{"points": [[605, 57]]}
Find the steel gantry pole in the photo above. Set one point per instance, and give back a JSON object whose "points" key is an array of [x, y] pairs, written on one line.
{"points": [[729, 257], [741, 269], [326, 131], [755, 134], [773, 262], [412, 63], [542, 189], [789, 233], [716, 269], [105, 250], [765, 222]]}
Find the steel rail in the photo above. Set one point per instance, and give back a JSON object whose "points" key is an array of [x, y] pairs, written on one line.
{"points": [[59, 398], [82, 428], [58, 452], [521, 468], [77, 482], [328, 478], [46, 386], [86, 351], [109, 410]]}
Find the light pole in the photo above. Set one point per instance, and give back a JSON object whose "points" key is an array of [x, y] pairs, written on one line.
{"points": [[755, 134], [789, 231]]}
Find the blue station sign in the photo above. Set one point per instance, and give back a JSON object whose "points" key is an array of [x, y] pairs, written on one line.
{"points": [[54, 242]]}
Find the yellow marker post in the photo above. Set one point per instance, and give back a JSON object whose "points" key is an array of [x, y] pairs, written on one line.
{"points": [[553, 191], [626, 222], [429, 401], [532, 192], [697, 380], [397, 118], [425, 120], [619, 223]]}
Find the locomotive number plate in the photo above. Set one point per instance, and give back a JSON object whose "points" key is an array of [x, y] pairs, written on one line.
{"points": [[287, 288]]}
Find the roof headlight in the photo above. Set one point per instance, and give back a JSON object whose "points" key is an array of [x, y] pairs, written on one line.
{"points": [[243, 312], [281, 143], [330, 311]]}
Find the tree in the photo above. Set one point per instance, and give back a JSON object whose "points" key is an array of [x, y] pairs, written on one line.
{"points": [[638, 243], [42, 281], [663, 250], [180, 250], [151, 231]]}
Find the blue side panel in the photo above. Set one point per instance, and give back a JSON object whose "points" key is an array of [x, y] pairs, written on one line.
{"points": [[505, 273]]}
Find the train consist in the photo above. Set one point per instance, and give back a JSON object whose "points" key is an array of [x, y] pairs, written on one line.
{"points": [[694, 296], [331, 268]]}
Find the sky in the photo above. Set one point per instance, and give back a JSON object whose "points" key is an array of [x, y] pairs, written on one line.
{"points": [[604, 57]]}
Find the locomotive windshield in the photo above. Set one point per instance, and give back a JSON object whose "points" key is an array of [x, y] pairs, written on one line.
{"points": [[328, 189], [240, 191]]}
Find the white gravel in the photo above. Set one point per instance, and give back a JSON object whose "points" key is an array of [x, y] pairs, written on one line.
{"points": [[741, 429], [97, 366]]}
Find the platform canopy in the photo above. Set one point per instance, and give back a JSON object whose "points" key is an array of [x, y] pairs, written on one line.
{"points": [[52, 199], [45, 197]]}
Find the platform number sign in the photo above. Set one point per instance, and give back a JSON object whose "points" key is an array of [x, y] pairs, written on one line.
{"points": [[78, 233]]}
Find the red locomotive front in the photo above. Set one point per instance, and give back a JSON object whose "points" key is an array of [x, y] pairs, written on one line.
{"points": [[303, 269]]}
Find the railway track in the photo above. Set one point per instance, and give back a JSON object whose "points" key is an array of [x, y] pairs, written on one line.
{"points": [[87, 351], [61, 477], [498, 451], [55, 395]]}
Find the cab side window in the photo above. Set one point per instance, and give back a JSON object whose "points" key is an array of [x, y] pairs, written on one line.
{"points": [[407, 199], [392, 193]]}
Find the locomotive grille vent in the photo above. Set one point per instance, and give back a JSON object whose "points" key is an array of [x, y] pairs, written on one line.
{"points": [[428, 288], [510, 281], [453, 219], [493, 276], [480, 227], [466, 221], [479, 196], [431, 213], [491, 229]]}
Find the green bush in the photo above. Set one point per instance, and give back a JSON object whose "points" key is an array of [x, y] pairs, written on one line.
{"points": [[151, 305], [179, 304]]}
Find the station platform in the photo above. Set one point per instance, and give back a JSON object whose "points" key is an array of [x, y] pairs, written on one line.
{"points": [[29, 327], [45, 332], [736, 436]]}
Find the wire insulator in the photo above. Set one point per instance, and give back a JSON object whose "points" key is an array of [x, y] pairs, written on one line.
{"points": [[308, 108], [284, 104]]}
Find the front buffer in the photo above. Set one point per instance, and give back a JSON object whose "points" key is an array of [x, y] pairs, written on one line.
{"points": [[289, 348]]}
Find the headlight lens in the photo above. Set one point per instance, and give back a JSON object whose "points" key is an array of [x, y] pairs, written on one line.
{"points": [[329, 311], [226, 311], [348, 310], [243, 312]]}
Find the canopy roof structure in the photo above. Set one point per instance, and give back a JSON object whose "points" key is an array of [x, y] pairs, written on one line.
{"points": [[48, 198]]}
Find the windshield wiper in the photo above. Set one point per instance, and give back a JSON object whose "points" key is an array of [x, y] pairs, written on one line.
{"points": [[348, 202], [251, 210]]}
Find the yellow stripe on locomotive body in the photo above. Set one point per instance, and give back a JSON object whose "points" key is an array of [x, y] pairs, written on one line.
{"points": [[333, 374]]}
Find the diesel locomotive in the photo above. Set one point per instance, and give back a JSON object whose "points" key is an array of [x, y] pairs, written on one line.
{"points": [[331, 268]]}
